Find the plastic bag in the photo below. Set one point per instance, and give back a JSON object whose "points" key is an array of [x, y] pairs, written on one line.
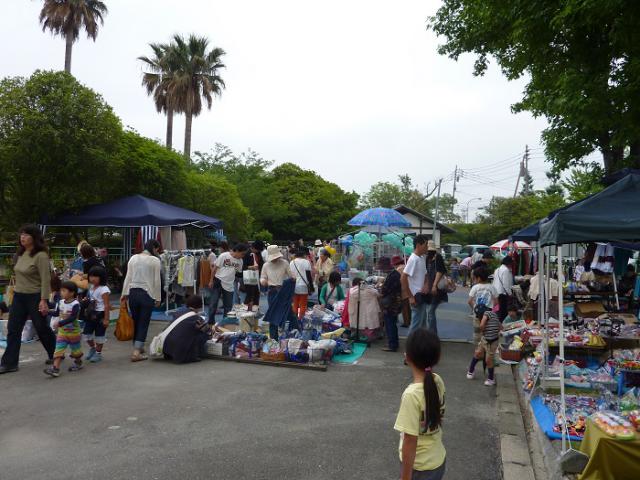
{"points": [[124, 325], [250, 277]]}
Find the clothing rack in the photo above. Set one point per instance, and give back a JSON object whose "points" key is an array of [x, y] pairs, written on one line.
{"points": [[175, 255]]}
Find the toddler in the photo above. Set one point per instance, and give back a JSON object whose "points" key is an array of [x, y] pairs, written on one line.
{"points": [[95, 327], [422, 407], [68, 334]]}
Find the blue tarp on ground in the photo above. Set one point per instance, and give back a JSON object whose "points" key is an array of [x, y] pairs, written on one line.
{"points": [[134, 211], [546, 419]]}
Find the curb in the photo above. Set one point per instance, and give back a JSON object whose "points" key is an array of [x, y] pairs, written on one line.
{"points": [[514, 446]]}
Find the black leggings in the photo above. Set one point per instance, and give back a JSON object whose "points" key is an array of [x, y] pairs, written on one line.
{"points": [[25, 305]]}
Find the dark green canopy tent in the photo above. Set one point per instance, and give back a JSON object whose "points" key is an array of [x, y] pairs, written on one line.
{"points": [[610, 215]]}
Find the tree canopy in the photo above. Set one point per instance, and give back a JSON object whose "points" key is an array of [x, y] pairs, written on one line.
{"points": [[57, 139], [580, 59], [389, 194]]}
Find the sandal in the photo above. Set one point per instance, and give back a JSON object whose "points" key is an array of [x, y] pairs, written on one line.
{"points": [[138, 357]]}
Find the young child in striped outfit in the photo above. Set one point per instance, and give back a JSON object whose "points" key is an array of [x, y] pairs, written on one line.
{"points": [[69, 334]]}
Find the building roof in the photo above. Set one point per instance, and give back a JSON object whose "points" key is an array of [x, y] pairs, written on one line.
{"points": [[402, 209]]}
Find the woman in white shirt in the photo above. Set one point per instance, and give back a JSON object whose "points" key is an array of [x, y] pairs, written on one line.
{"points": [[301, 271], [142, 290]]}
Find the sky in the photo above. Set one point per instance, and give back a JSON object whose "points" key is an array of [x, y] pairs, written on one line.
{"points": [[353, 90]]}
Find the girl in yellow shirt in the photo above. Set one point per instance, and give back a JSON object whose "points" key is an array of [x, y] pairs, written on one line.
{"points": [[421, 410]]}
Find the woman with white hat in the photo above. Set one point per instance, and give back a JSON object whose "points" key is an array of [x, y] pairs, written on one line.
{"points": [[274, 273]]}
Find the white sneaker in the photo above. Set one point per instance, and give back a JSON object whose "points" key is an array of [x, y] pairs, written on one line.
{"points": [[489, 382], [470, 375]]}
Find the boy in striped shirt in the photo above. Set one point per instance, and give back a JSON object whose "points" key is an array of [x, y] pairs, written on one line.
{"points": [[490, 327]]}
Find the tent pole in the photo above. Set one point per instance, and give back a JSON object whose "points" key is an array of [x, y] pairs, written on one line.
{"points": [[540, 307], [561, 352], [545, 298], [615, 289], [168, 277]]}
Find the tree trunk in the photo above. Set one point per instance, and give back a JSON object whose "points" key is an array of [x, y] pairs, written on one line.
{"points": [[169, 141], [187, 136], [613, 159], [67, 53]]}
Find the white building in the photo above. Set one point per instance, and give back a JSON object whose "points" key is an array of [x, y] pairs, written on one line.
{"points": [[421, 224]]}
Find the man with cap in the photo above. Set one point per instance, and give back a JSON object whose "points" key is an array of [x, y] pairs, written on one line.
{"points": [[392, 303]]}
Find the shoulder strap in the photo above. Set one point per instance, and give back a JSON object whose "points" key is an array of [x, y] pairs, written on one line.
{"points": [[299, 274]]}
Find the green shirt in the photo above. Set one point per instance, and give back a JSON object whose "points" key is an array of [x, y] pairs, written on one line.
{"points": [[336, 296], [33, 274]]}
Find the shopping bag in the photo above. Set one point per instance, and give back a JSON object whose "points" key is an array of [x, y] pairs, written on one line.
{"points": [[124, 325], [8, 296], [250, 277]]}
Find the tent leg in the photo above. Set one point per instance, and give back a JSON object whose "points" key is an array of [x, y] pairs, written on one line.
{"points": [[563, 408], [540, 307], [615, 289]]}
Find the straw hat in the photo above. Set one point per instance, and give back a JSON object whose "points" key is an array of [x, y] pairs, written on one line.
{"points": [[273, 253], [318, 243], [431, 246]]}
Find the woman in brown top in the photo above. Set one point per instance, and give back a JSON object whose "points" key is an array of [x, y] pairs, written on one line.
{"points": [[31, 292]]}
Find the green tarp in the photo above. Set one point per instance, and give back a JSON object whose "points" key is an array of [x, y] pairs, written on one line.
{"points": [[610, 215]]}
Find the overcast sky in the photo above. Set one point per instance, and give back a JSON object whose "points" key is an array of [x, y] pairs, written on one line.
{"points": [[351, 89]]}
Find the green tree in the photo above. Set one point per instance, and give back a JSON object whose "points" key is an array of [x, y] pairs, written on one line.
{"points": [[212, 195], [156, 81], [313, 207], [143, 166], [56, 141], [583, 181], [251, 175], [196, 76], [580, 59], [505, 216], [67, 17]]}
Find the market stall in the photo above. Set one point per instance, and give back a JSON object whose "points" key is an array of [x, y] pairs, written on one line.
{"points": [[600, 394]]}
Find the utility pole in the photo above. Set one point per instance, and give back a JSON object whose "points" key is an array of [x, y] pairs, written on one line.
{"points": [[455, 181], [435, 218], [526, 177]]}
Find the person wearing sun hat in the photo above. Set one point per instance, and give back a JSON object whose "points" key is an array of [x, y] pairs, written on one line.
{"points": [[274, 273], [392, 303]]}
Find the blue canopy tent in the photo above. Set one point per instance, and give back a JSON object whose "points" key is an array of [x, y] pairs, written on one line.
{"points": [[134, 211], [131, 213]]}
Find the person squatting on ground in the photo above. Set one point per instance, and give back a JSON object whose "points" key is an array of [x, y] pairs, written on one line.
{"points": [[97, 311], [68, 330], [332, 291], [490, 327], [422, 407]]}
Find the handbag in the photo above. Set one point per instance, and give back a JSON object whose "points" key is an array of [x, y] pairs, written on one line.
{"points": [[80, 281], [124, 325], [10, 291], [446, 283], [250, 277]]}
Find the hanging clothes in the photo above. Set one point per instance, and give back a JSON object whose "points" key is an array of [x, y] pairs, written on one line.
{"points": [[369, 307], [604, 258], [178, 240], [165, 238], [205, 272]]}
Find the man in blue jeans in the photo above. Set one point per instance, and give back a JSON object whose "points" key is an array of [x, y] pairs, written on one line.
{"points": [[413, 281], [223, 277]]}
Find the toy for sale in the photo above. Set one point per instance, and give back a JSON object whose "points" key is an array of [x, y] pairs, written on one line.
{"points": [[614, 425]]}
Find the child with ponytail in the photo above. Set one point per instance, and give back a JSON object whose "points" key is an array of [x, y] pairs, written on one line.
{"points": [[421, 410]]}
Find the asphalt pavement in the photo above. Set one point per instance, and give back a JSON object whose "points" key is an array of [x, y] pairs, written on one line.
{"points": [[225, 420]]}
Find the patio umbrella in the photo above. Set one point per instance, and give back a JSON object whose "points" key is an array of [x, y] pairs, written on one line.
{"points": [[379, 217], [506, 244]]}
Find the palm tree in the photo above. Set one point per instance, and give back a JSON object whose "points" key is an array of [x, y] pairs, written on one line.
{"points": [[67, 17], [156, 82], [195, 77]]}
